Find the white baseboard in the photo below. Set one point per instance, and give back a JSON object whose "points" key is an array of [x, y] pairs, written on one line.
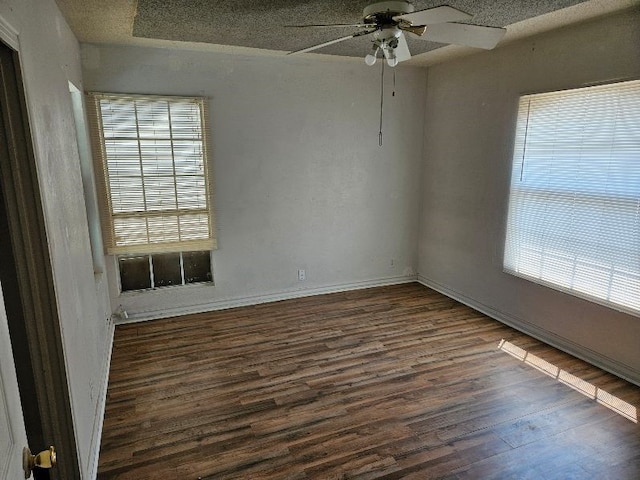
{"points": [[134, 317], [561, 343], [100, 408]]}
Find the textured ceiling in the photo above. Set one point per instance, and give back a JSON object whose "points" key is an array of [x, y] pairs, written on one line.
{"points": [[260, 23], [256, 27]]}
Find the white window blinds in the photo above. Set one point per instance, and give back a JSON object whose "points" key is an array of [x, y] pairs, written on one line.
{"points": [[574, 207], [155, 186]]}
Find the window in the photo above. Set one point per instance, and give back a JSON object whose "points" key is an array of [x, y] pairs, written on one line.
{"points": [[154, 182], [574, 207], [140, 272]]}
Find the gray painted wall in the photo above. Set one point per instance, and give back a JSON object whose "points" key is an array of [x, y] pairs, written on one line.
{"points": [[300, 181], [470, 119], [50, 59]]}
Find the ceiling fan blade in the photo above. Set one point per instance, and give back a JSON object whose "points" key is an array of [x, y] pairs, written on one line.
{"points": [[402, 50], [435, 15], [330, 42], [464, 34], [332, 25]]}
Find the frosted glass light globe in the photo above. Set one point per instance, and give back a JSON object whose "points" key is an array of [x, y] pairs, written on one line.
{"points": [[370, 60]]}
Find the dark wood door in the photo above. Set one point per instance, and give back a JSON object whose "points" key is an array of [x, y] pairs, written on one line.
{"points": [[27, 281]]}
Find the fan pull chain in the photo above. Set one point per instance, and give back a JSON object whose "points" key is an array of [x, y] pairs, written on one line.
{"points": [[381, 103], [394, 83]]}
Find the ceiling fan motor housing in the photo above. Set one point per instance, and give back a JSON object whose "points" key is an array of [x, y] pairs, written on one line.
{"points": [[382, 13]]}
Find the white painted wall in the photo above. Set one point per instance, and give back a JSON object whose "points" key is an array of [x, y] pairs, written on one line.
{"points": [[50, 59], [300, 181], [470, 119]]}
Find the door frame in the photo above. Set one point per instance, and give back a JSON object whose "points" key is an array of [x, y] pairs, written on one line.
{"points": [[34, 325]]}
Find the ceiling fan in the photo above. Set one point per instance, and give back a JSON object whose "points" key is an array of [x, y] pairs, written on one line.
{"points": [[388, 22]]}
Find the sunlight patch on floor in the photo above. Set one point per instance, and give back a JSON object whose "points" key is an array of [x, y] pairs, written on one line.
{"points": [[586, 388]]}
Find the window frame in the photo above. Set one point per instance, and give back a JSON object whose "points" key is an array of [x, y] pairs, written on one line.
{"points": [[152, 274], [517, 164], [107, 215]]}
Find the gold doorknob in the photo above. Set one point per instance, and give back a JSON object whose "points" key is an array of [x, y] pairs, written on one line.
{"points": [[45, 459]]}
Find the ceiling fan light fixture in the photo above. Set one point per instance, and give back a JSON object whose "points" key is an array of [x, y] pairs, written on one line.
{"points": [[388, 49], [370, 59]]}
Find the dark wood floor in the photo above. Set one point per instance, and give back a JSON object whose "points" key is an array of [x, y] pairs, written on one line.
{"points": [[391, 382]]}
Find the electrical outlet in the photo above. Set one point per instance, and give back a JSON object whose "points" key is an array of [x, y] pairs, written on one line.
{"points": [[302, 275]]}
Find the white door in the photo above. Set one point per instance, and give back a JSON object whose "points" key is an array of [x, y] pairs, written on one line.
{"points": [[12, 432]]}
